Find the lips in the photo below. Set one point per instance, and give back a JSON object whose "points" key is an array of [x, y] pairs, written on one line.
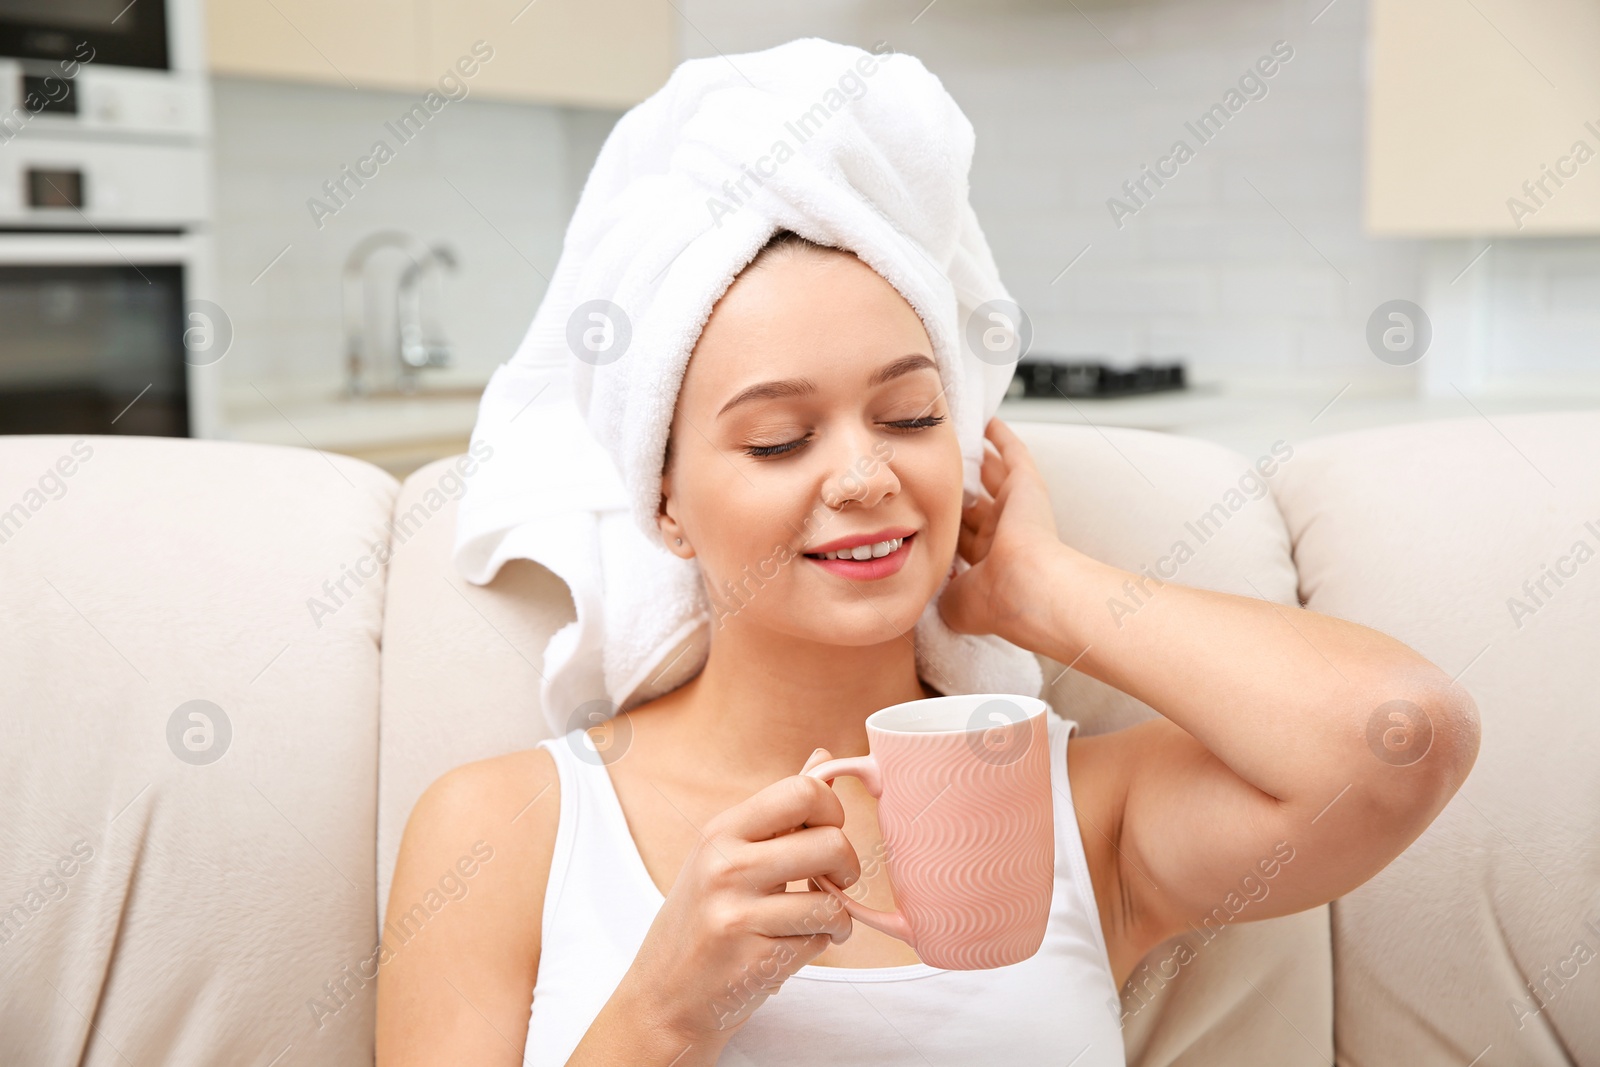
{"points": [[866, 570], [854, 540]]}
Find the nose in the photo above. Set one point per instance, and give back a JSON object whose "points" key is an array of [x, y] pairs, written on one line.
{"points": [[863, 475]]}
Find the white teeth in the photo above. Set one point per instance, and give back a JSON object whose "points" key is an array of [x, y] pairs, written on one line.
{"points": [[873, 551]]}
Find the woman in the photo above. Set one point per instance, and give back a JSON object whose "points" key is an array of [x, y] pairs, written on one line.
{"points": [[1262, 739]]}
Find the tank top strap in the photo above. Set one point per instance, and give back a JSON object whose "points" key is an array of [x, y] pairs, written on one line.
{"points": [[1069, 840]]}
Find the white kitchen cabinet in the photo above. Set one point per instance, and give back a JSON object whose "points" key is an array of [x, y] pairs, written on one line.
{"points": [[1483, 117], [364, 44], [598, 53]]}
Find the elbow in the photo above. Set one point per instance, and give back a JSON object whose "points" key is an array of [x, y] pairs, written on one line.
{"points": [[1424, 746], [1463, 731]]}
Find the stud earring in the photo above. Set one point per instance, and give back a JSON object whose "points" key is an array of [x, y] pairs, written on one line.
{"points": [[680, 540]]}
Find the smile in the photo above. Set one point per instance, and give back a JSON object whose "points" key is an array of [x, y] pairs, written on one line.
{"points": [[866, 562]]}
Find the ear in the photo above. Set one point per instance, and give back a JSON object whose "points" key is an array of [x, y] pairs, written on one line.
{"points": [[671, 531]]}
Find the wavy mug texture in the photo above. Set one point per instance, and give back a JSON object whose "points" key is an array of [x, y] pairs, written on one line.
{"points": [[963, 788]]}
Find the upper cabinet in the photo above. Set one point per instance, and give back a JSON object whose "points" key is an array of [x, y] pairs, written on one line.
{"points": [[597, 53], [1483, 117]]}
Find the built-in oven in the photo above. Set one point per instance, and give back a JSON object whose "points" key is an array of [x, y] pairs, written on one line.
{"points": [[101, 335], [105, 210], [120, 33]]}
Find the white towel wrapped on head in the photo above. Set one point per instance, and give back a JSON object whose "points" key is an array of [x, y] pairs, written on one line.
{"points": [[856, 150]]}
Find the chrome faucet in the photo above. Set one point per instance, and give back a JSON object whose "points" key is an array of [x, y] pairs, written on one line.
{"points": [[418, 341], [422, 342]]}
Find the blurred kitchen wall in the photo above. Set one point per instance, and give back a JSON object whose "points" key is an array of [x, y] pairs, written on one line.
{"points": [[495, 181], [1251, 261]]}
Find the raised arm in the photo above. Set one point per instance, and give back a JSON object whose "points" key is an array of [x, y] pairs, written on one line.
{"points": [[1297, 755]]}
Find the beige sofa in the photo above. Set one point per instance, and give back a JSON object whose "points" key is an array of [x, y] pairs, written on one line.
{"points": [[200, 883]]}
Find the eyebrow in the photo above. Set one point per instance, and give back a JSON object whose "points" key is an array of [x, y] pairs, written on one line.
{"points": [[795, 387]]}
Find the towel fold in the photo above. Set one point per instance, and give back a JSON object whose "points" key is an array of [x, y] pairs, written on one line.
{"points": [[849, 148]]}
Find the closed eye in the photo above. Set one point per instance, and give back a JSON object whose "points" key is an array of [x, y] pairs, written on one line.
{"points": [[900, 425]]}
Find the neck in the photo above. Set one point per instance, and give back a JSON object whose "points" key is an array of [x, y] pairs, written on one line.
{"points": [[765, 700]]}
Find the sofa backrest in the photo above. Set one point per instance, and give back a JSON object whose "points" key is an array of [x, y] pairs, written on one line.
{"points": [[189, 662], [1475, 541]]}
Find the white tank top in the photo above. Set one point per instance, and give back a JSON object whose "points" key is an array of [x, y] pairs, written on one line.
{"points": [[1059, 1006]]}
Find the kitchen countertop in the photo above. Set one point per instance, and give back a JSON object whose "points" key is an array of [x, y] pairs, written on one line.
{"points": [[401, 433], [1250, 420], [397, 433]]}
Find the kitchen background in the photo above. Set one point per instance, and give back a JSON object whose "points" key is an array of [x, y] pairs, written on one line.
{"points": [[1376, 163]]}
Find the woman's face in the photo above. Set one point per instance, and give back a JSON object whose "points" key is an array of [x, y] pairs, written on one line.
{"points": [[812, 414]]}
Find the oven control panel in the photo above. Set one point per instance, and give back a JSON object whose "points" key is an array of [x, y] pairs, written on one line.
{"points": [[38, 99], [108, 148]]}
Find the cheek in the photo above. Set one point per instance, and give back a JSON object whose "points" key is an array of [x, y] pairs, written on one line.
{"points": [[740, 525], [933, 478]]}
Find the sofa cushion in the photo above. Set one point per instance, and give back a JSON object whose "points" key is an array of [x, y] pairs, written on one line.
{"points": [[461, 661], [187, 823], [1476, 542]]}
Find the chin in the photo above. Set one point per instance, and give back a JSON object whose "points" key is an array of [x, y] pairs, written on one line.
{"points": [[864, 622]]}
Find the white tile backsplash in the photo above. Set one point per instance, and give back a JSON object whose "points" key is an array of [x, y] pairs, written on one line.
{"points": [[494, 181]]}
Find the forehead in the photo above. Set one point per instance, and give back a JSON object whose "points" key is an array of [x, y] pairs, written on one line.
{"points": [[802, 314]]}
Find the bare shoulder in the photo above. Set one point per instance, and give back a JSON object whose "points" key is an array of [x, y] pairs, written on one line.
{"points": [[508, 805], [462, 928], [1099, 769]]}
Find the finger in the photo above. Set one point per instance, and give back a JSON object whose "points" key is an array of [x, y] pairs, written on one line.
{"points": [[816, 850], [978, 544], [820, 755], [1012, 450], [783, 805], [800, 915], [965, 542], [994, 469], [974, 516]]}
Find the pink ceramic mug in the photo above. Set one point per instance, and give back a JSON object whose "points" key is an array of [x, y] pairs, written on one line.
{"points": [[963, 788]]}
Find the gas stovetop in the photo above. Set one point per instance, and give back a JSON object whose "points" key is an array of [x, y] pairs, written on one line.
{"points": [[1079, 378]]}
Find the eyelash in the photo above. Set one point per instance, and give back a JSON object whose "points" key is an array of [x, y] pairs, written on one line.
{"points": [[903, 425]]}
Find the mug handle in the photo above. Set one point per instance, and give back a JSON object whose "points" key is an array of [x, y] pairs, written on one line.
{"points": [[865, 768]]}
